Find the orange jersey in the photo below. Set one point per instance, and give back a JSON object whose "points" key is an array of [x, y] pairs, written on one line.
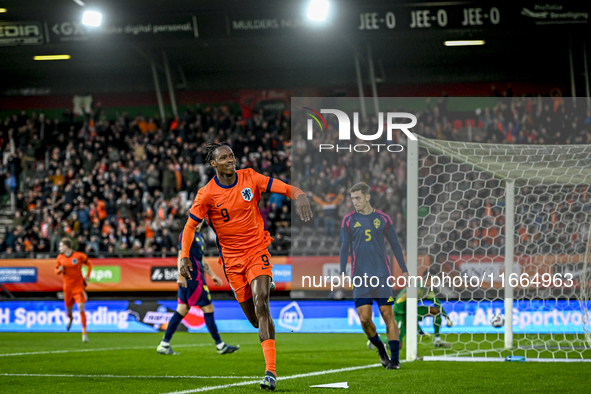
{"points": [[72, 271], [233, 213]]}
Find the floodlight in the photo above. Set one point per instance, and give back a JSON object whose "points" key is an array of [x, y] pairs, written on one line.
{"points": [[317, 10], [92, 18]]}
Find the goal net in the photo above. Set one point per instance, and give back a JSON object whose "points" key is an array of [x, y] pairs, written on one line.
{"points": [[509, 226]]}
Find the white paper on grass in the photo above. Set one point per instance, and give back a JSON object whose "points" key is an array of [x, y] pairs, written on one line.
{"points": [[341, 385]]}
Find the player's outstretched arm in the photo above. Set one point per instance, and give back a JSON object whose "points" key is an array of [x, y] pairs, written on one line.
{"points": [[89, 265], [188, 235], [181, 281], [273, 185], [196, 215], [207, 270], [439, 306], [345, 247], [59, 268]]}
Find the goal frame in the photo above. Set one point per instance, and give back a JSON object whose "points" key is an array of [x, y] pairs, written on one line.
{"points": [[412, 246]]}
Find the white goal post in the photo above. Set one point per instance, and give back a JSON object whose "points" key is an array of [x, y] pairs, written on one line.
{"points": [[532, 205]]}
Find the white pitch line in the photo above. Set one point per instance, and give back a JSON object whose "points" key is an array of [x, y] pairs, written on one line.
{"points": [[302, 375], [96, 350], [124, 376], [223, 386]]}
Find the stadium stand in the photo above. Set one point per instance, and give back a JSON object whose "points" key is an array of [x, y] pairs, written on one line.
{"points": [[121, 186]]}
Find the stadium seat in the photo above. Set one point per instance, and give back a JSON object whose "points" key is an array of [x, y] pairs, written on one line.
{"points": [[457, 124], [299, 242], [316, 243], [307, 231], [470, 122], [283, 231]]}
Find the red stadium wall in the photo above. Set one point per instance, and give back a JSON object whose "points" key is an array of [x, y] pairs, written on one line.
{"points": [[240, 96], [134, 274]]}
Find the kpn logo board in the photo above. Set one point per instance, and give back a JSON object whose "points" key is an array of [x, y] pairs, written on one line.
{"points": [[104, 273], [387, 122]]}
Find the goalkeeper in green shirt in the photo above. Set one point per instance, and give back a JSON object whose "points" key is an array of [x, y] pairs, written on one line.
{"points": [[424, 293]]}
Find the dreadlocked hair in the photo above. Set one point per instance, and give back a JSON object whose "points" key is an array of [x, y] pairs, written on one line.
{"points": [[210, 148]]}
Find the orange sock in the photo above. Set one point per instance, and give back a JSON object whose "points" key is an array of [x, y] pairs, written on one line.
{"points": [[83, 320], [269, 353]]}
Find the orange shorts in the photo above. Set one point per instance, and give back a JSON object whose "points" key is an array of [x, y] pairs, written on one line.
{"points": [[240, 272], [74, 297]]}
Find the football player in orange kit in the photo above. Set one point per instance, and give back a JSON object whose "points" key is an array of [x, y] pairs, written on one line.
{"points": [[230, 203], [69, 264]]}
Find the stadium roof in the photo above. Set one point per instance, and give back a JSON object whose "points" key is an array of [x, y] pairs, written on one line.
{"points": [[262, 44]]}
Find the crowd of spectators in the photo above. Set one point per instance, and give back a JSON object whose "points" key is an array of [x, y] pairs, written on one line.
{"points": [[123, 185], [536, 120]]}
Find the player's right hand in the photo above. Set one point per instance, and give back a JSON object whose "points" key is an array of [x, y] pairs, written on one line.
{"points": [[303, 208], [186, 267], [182, 282]]}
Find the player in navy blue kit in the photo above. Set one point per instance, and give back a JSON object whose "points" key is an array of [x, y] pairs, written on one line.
{"points": [[362, 236], [193, 292]]}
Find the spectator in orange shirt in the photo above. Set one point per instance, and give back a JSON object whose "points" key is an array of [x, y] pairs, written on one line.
{"points": [[100, 208], [151, 126], [58, 179], [328, 205], [149, 231], [142, 124], [69, 264]]}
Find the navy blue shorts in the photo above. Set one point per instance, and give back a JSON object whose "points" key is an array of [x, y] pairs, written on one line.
{"points": [[382, 294], [368, 301], [196, 293]]}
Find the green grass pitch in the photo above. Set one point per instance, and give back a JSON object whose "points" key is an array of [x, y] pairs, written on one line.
{"points": [[128, 363]]}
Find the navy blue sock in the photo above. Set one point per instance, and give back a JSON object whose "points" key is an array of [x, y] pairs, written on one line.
{"points": [[394, 351], [376, 341], [172, 326], [213, 329]]}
